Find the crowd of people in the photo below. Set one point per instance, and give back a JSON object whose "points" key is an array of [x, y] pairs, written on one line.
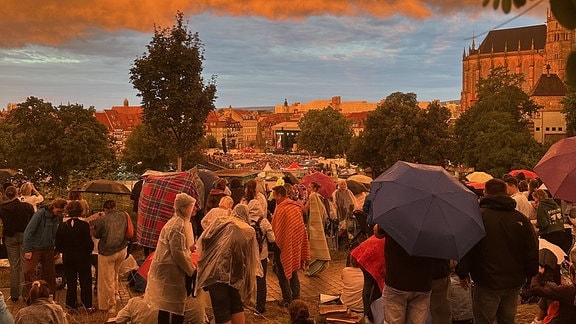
{"points": [[526, 252]]}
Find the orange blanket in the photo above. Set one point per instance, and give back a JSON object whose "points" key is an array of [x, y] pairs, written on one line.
{"points": [[291, 236]]}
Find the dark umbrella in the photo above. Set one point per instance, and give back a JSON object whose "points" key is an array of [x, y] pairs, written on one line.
{"points": [[104, 187], [557, 169], [356, 187], [327, 184], [427, 211], [291, 177], [6, 174]]}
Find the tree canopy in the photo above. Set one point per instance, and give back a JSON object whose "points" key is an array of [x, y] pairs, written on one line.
{"points": [[400, 130], [569, 111], [492, 135], [175, 99], [53, 143], [326, 132]]}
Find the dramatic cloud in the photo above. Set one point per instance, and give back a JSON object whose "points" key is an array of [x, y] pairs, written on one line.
{"points": [[53, 22]]}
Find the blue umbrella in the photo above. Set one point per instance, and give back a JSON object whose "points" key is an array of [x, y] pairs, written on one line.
{"points": [[427, 211]]}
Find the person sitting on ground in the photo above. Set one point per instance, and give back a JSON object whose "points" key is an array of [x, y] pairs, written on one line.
{"points": [[564, 294], [40, 309], [137, 311], [299, 312], [352, 286], [5, 315]]}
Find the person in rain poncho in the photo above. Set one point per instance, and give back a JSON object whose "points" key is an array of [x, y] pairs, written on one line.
{"points": [[228, 264], [166, 289], [319, 253], [345, 203]]}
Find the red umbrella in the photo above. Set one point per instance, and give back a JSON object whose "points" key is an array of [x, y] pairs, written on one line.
{"points": [[557, 169], [327, 185], [527, 173]]}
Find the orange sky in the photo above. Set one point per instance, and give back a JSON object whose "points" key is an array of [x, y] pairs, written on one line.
{"points": [[53, 22]]}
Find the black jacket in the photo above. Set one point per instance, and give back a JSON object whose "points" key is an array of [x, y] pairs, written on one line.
{"points": [[74, 240], [508, 255], [15, 216]]}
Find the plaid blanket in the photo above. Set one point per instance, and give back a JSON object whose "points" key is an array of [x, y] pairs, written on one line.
{"points": [[156, 204]]}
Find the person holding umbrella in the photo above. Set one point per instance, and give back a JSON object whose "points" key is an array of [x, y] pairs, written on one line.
{"points": [[502, 261]]}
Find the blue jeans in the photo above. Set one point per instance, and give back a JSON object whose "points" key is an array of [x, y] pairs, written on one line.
{"points": [[491, 305], [402, 307], [15, 251]]}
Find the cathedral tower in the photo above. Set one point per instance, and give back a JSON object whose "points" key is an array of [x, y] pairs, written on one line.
{"points": [[559, 43]]}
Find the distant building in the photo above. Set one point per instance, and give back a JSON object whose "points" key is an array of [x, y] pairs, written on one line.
{"points": [[532, 51], [548, 125], [120, 121], [336, 103], [539, 53]]}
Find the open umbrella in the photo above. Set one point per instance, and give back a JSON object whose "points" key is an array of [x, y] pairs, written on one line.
{"points": [[479, 176], [104, 187], [356, 187], [291, 177], [427, 211], [527, 173], [6, 174], [361, 178], [557, 169], [327, 185]]}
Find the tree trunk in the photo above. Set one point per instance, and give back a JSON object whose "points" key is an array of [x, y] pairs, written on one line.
{"points": [[179, 168]]}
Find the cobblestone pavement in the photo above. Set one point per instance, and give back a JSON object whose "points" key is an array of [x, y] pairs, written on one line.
{"points": [[327, 282]]}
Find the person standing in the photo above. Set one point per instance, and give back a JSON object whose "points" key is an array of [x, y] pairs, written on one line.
{"points": [[408, 283], [257, 218], [345, 203], [39, 237], [172, 261], [550, 221], [15, 216], [522, 203], [110, 228], [29, 194], [502, 261], [74, 242], [292, 243], [319, 253]]}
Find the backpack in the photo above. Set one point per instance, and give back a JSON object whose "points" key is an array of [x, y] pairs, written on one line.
{"points": [[259, 234]]}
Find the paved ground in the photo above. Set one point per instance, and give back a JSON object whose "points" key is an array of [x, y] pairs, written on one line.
{"points": [[328, 282]]}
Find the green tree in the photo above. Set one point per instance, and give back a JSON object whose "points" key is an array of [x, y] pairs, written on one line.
{"points": [[53, 143], [325, 131], [492, 135], [175, 99], [399, 130], [569, 111], [142, 146], [211, 141]]}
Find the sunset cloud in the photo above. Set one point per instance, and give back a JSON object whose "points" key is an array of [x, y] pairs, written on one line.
{"points": [[53, 22]]}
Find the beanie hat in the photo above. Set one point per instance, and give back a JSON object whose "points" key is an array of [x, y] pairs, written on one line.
{"points": [[183, 199]]}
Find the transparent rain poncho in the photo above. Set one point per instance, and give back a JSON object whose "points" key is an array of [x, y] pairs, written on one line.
{"points": [[228, 254]]}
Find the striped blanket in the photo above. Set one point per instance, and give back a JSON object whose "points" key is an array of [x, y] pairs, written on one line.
{"points": [[156, 204]]}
